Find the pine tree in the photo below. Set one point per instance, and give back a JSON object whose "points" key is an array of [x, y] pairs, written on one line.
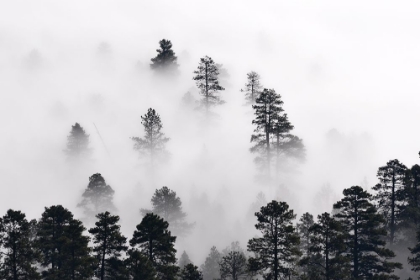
{"points": [[183, 260], [327, 246], [415, 260], [18, 255], [97, 197], [168, 206], [139, 266], [252, 88], [410, 211], [233, 266], [191, 272], [267, 110], [389, 195], [364, 234], [78, 144], [277, 250], [211, 266], [305, 223], [165, 60], [64, 250], [109, 243], [153, 143], [155, 241], [208, 83]]}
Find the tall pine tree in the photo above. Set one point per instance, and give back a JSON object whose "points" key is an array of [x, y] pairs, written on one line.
{"points": [[252, 88], [165, 61], [211, 266], [206, 77], [78, 144], [364, 236]]}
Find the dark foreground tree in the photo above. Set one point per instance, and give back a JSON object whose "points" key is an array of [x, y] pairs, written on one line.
{"points": [[410, 211], [211, 266], [97, 197], [277, 250], [364, 236], [191, 272], [326, 246], [233, 266], [78, 144], [64, 250], [155, 241], [109, 243], [168, 205], [309, 271], [154, 141], [139, 266], [389, 195], [165, 60], [414, 261], [18, 254], [252, 88], [208, 83]]}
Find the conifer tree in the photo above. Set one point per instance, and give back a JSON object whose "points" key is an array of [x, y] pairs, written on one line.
{"points": [[191, 272], [252, 88], [327, 246], [97, 197], [155, 241], [267, 109], [139, 266], [18, 256], [64, 250], [208, 83], [109, 243], [78, 144], [277, 250], [305, 223], [183, 260], [233, 266], [363, 236], [211, 266], [153, 142], [169, 206], [410, 211], [414, 261], [389, 195], [165, 61]]}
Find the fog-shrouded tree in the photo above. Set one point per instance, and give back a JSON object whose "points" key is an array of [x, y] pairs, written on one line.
{"points": [[303, 226], [326, 246], [233, 266], [18, 254], [154, 140], [278, 248], [98, 196], [168, 205], [267, 109], [252, 88], [184, 260], [139, 266], [155, 241], [109, 244], [389, 195], [78, 144], [211, 266], [206, 78], [63, 247], [364, 235], [165, 61], [191, 272]]}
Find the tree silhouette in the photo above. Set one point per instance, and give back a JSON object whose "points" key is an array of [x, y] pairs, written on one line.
{"points": [[211, 266], [153, 143], [155, 241], [252, 88], [165, 60], [207, 82], [277, 250], [109, 243], [77, 144], [191, 272], [168, 206], [363, 235], [18, 254], [139, 266], [97, 197], [389, 195], [233, 266]]}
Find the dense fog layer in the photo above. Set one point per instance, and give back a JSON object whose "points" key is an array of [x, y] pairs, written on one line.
{"points": [[347, 75]]}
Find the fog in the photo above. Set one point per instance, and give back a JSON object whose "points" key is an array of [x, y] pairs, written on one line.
{"points": [[347, 73]]}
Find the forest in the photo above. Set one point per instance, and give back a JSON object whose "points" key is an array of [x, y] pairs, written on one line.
{"points": [[367, 234]]}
